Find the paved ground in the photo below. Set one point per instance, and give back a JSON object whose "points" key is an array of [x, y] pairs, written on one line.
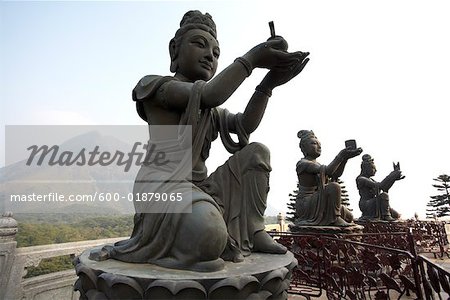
{"points": [[444, 263]]}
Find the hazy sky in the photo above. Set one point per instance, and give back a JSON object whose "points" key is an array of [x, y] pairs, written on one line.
{"points": [[379, 73]]}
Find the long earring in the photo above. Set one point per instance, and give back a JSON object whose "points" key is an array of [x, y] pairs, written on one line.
{"points": [[173, 56], [173, 66]]}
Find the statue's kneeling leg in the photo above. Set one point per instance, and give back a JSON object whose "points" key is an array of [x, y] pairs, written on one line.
{"points": [[333, 197], [256, 163], [385, 208]]}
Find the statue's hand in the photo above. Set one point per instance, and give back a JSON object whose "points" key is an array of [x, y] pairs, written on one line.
{"points": [[398, 174], [271, 54], [350, 152], [282, 74]]}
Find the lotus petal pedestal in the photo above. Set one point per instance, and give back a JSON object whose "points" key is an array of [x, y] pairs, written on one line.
{"points": [[259, 276]]}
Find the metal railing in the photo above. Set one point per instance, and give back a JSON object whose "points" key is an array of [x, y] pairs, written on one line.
{"points": [[363, 266]]}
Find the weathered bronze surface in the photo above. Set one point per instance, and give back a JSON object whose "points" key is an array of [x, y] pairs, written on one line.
{"points": [[374, 201], [319, 198], [228, 205]]}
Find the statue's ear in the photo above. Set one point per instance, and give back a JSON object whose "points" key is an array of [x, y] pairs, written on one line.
{"points": [[173, 56]]}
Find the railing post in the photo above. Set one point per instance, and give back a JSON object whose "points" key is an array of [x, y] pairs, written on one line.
{"points": [[414, 263], [441, 237], [8, 230]]}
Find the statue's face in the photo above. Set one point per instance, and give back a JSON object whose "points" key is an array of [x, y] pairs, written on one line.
{"points": [[198, 55], [372, 170], [312, 148]]}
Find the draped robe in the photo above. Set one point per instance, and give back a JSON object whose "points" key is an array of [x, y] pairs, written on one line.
{"points": [[240, 199]]}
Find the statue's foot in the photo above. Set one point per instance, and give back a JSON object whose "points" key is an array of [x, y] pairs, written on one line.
{"points": [[340, 223], [232, 254], [263, 242], [99, 254], [388, 218]]}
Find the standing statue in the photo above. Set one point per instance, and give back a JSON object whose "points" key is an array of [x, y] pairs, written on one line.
{"points": [[227, 219], [374, 202], [319, 198]]}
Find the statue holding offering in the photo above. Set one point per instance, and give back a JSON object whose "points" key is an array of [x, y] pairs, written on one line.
{"points": [[227, 218], [374, 201], [319, 198]]}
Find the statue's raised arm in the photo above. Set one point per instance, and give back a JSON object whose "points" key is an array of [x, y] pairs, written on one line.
{"points": [[194, 53]]}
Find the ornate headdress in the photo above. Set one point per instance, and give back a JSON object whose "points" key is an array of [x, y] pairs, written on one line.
{"points": [[367, 160], [193, 19], [306, 134]]}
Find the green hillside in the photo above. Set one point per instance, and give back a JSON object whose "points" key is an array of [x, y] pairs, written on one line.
{"points": [[44, 229]]}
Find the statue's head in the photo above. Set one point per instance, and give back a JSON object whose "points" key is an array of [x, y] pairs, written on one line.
{"points": [[368, 165], [309, 144], [194, 51]]}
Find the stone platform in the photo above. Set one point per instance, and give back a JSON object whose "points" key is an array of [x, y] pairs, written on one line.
{"points": [[259, 276]]}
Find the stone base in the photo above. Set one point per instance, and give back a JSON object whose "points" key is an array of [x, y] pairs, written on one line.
{"points": [[355, 228], [259, 276]]}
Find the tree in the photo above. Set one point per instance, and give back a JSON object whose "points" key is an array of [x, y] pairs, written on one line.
{"points": [[292, 212], [440, 204], [345, 200]]}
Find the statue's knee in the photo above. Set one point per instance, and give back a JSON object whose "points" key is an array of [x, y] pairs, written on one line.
{"points": [[256, 155], [395, 214], [258, 148], [346, 214], [384, 196], [333, 188]]}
